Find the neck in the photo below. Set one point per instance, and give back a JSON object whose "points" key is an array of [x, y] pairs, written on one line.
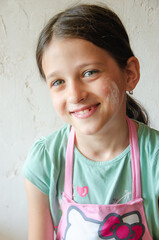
{"points": [[106, 144]]}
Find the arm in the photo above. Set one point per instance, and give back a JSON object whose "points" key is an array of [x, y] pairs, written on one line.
{"points": [[40, 220]]}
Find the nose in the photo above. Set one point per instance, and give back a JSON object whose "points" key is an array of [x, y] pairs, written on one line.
{"points": [[76, 92]]}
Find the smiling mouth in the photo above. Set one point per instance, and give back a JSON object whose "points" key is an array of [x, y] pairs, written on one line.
{"points": [[85, 113]]}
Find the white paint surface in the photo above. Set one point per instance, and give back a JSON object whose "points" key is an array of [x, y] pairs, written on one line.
{"points": [[26, 109]]}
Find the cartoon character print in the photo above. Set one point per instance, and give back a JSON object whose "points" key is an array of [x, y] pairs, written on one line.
{"points": [[127, 226], [113, 227], [79, 227]]}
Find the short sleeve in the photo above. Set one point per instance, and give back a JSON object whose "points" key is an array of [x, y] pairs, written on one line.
{"points": [[37, 167], [155, 173]]}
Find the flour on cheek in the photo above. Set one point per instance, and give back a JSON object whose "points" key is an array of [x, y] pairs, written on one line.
{"points": [[112, 95]]}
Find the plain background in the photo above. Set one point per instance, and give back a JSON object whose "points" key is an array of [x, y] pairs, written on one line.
{"points": [[26, 112]]}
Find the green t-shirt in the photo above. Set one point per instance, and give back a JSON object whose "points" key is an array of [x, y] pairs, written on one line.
{"points": [[108, 182]]}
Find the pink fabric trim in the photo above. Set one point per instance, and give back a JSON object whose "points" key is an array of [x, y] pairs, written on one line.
{"points": [[69, 164], [135, 159]]}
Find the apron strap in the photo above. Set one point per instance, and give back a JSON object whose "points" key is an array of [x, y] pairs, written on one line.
{"points": [[68, 187], [135, 160]]}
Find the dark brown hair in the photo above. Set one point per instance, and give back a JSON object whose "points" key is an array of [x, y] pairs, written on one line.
{"points": [[99, 25]]}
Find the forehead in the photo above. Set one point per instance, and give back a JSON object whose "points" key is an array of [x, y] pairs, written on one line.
{"points": [[71, 53], [68, 46]]}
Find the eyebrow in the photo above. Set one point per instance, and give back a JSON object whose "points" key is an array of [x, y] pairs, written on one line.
{"points": [[53, 74]]}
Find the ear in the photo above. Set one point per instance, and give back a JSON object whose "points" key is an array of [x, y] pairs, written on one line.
{"points": [[132, 71]]}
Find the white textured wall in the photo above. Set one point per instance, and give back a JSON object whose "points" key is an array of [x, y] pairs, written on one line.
{"points": [[25, 107]]}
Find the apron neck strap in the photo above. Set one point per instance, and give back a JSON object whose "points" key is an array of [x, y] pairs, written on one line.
{"points": [[135, 159], [135, 162], [68, 186]]}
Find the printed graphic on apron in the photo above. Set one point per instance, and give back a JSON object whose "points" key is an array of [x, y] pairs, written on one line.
{"points": [[82, 191], [113, 227]]}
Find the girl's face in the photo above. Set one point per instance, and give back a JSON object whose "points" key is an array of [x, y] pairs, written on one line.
{"points": [[86, 84]]}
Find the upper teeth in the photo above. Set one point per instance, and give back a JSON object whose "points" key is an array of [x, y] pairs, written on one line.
{"points": [[83, 112]]}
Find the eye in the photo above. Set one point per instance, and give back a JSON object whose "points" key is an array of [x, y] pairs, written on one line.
{"points": [[57, 82], [90, 73]]}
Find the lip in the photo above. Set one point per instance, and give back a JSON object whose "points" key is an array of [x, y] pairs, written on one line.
{"points": [[85, 112]]}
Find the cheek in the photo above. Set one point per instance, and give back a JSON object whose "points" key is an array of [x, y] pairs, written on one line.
{"points": [[57, 103], [111, 94]]}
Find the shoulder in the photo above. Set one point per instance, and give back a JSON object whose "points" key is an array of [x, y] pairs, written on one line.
{"points": [[51, 143], [149, 157], [57, 139], [55, 145], [149, 150], [44, 158], [148, 138], [148, 131]]}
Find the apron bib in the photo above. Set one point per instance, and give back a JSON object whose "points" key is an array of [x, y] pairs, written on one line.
{"points": [[112, 222]]}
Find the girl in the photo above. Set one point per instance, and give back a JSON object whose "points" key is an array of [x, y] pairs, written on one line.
{"points": [[97, 177]]}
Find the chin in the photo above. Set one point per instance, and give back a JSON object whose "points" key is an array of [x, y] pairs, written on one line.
{"points": [[87, 130]]}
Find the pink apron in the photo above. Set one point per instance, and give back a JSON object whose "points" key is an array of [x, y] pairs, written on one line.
{"points": [[94, 222]]}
